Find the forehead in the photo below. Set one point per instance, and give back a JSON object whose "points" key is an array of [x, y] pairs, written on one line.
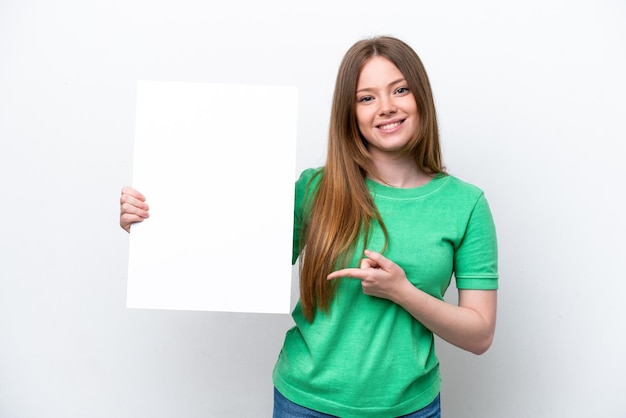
{"points": [[378, 71]]}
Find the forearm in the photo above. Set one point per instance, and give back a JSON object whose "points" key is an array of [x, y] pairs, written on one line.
{"points": [[470, 325]]}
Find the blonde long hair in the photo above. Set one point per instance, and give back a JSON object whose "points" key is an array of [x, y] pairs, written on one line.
{"points": [[342, 207]]}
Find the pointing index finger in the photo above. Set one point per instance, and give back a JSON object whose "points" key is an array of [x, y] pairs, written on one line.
{"points": [[351, 273]]}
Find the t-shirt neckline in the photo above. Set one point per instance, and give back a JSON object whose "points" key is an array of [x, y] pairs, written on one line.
{"points": [[383, 190]]}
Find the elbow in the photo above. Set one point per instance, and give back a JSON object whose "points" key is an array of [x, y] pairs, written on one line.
{"points": [[483, 338], [482, 345], [480, 349]]}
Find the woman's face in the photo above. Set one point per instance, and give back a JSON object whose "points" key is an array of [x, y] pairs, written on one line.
{"points": [[386, 110]]}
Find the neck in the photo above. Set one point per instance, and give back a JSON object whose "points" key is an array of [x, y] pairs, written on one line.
{"points": [[398, 172]]}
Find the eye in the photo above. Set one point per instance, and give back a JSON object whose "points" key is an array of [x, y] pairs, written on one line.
{"points": [[365, 99], [402, 90]]}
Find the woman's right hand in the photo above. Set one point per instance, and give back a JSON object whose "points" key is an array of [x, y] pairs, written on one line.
{"points": [[133, 208]]}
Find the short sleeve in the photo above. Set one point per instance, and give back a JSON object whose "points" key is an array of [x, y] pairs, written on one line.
{"points": [[476, 258], [304, 185]]}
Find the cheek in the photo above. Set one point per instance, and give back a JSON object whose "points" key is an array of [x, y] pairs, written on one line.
{"points": [[410, 105], [417, 118], [362, 119]]}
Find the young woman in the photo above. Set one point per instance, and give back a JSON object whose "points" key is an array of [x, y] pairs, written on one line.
{"points": [[379, 231]]}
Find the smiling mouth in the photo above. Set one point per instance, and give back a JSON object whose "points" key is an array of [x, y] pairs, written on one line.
{"points": [[390, 126]]}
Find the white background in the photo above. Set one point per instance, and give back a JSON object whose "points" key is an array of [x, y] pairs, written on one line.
{"points": [[531, 100]]}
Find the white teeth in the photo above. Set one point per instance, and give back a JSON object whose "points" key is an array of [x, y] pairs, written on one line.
{"points": [[390, 126]]}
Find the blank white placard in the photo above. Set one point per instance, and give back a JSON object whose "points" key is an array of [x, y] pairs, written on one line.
{"points": [[217, 165]]}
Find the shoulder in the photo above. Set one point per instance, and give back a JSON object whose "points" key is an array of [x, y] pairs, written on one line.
{"points": [[460, 190], [309, 177], [462, 186], [461, 197], [308, 173]]}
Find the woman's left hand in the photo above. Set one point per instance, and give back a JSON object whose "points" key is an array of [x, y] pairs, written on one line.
{"points": [[469, 325], [379, 276]]}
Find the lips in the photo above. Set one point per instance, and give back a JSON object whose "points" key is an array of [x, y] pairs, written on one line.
{"points": [[390, 125]]}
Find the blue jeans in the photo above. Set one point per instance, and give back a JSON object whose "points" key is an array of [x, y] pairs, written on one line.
{"points": [[284, 408]]}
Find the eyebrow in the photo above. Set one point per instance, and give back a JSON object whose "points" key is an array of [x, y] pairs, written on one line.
{"points": [[400, 80]]}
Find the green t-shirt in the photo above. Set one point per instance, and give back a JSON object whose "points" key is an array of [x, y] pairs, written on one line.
{"points": [[368, 357]]}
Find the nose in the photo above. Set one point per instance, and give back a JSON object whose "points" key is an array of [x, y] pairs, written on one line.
{"points": [[387, 107]]}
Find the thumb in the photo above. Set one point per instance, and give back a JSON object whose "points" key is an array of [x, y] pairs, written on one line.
{"points": [[378, 260], [368, 263]]}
